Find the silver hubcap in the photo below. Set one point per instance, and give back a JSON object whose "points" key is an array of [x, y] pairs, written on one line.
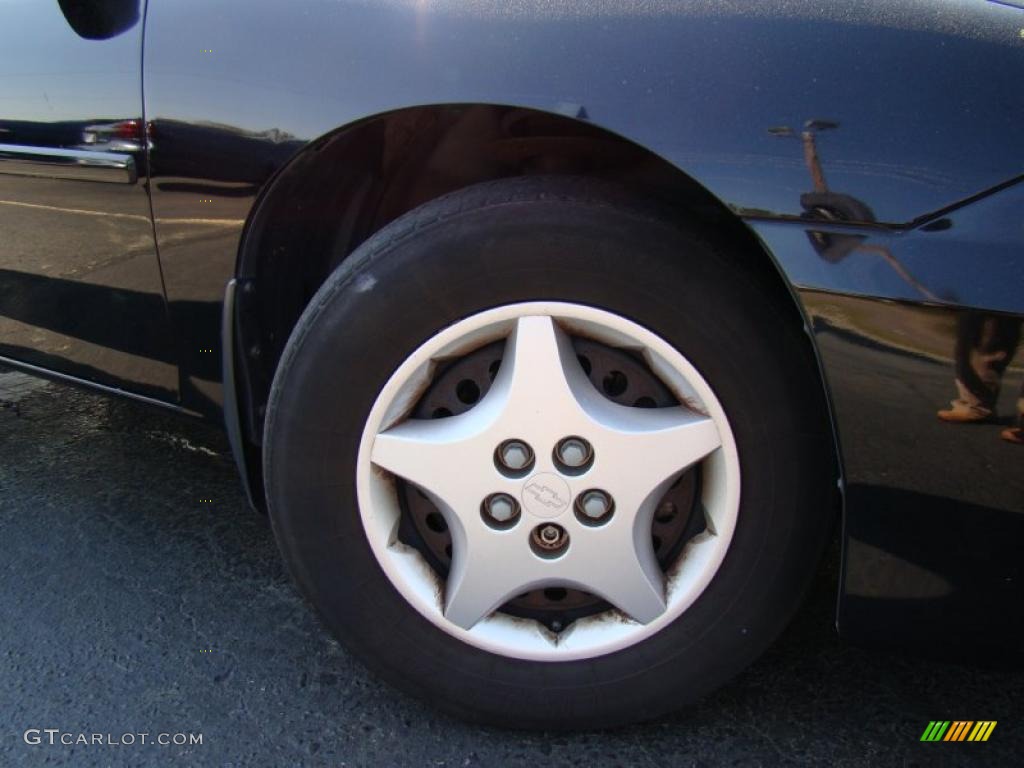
{"points": [[580, 514]]}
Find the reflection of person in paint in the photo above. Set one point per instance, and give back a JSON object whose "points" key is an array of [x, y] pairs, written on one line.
{"points": [[985, 344]]}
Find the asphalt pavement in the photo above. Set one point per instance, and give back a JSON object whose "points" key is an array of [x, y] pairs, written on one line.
{"points": [[139, 594]]}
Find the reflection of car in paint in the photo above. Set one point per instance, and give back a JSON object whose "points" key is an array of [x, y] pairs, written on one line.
{"points": [[121, 136], [380, 241]]}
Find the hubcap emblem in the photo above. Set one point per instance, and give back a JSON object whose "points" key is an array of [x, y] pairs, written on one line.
{"points": [[546, 495]]}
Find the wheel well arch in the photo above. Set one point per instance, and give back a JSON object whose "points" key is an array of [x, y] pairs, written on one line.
{"points": [[348, 184]]}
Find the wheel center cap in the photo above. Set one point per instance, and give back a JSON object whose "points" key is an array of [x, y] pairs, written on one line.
{"points": [[546, 495]]}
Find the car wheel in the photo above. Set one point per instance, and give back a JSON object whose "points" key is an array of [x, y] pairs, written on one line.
{"points": [[548, 459]]}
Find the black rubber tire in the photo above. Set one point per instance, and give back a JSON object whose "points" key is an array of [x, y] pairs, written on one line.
{"points": [[575, 240]]}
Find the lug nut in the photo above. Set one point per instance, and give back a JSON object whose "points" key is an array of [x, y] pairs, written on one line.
{"points": [[594, 506], [500, 510], [514, 456], [549, 535], [574, 453], [549, 540]]}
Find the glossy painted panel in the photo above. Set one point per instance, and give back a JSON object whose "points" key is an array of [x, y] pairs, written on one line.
{"points": [[970, 257], [924, 96], [205, 179], [935, 510], [921, 99], [80, 287]]}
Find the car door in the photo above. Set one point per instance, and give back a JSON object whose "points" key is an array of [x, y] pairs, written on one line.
{"points": [[80, 285]]}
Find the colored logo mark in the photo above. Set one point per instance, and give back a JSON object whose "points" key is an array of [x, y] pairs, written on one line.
{"points": [[958, 730]]}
